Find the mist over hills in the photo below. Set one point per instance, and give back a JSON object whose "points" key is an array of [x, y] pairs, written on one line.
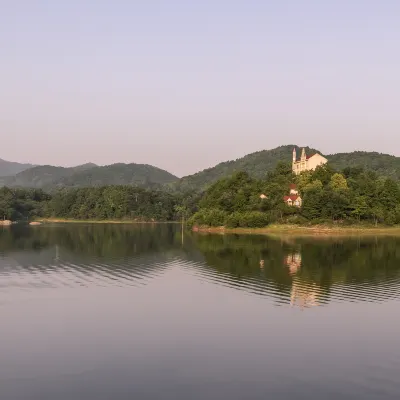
{"points": [[9, 168], [256, 164]]}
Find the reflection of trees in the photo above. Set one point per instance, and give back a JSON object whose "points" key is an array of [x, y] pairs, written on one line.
{"points": [[306, 270], [302, 271], [50, 256], [88, 241]]}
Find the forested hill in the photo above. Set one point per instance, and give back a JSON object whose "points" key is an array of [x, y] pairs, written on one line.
{"points": [[119, 174], [50, 177], [8, 168], [382, 164], [257, 164]]}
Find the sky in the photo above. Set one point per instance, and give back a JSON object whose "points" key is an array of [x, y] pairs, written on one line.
{"points": [[184, 85]]}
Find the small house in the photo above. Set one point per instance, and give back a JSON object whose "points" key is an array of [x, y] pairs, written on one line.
{"points": [[293, 200]]}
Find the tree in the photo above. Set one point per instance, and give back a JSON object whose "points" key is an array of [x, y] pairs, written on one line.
{"points": [[336, 204], [323, 173], [378, 213], [359, 207], [314, 185], [389, 194], [338, 182], [313, 204]]}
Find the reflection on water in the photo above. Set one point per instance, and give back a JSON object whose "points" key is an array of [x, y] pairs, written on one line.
{"points": [[123, 312], [82, 256], [303, 272]]}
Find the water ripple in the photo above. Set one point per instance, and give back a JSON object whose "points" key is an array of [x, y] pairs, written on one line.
{"points": [[135, 272], [297, 291]]}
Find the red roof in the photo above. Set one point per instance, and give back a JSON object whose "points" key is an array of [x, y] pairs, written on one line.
{"points": [[292, 197], [308, 157]]}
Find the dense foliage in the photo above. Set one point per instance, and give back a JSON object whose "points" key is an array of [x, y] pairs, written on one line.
{"points": [[352, 195], [96, 203], [382, 164], [17, 204]]}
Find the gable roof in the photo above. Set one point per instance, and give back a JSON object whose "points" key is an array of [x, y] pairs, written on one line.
{"points": [[293, 197]]}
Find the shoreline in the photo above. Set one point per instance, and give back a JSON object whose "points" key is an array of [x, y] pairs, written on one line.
{"points": [[5, 222], [92, 221], [318, 230]]}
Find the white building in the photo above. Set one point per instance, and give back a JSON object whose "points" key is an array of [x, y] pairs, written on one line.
{"points": [[307, 163]]}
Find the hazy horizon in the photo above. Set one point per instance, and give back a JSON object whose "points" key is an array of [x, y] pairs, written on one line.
{"points": [[178, 175], [186, 86]]}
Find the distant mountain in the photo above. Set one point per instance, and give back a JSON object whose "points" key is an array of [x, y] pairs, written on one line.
{"points": [[256, 164], [84, 167], [8, 168], [49, 177], [119, 174], [259, 163]]}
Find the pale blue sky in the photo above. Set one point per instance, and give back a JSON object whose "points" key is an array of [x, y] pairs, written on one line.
{"points": [[184, 85]]}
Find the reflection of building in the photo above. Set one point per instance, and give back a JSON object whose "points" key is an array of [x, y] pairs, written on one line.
{"points": [[293, 261], [304, 294]]}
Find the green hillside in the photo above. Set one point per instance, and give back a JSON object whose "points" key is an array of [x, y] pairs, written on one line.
{"points": [[259, 163], [256, 164], [119, 174], [382, 164], [49, 177], [8, 168], [37, 177]]}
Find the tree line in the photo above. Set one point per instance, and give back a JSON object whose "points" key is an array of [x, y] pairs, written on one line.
{"points": [[353, 195], [95, 203]]}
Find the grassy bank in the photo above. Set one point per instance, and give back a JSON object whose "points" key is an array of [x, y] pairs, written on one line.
{"points": [[305, 230]]}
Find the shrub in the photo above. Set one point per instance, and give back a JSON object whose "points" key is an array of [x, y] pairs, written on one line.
{"points": [[209, 217], [233, 220], [254, 219], [251, 219], [297, 220]]}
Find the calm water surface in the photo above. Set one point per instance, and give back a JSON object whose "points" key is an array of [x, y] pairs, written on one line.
{"points": [[138, 312]]}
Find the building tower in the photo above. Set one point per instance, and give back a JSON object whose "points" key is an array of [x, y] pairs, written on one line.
{"points": [[303, 155], [307, 163]]}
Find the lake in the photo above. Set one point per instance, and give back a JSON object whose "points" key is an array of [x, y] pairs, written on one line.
{"points": [[144, 312]]}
